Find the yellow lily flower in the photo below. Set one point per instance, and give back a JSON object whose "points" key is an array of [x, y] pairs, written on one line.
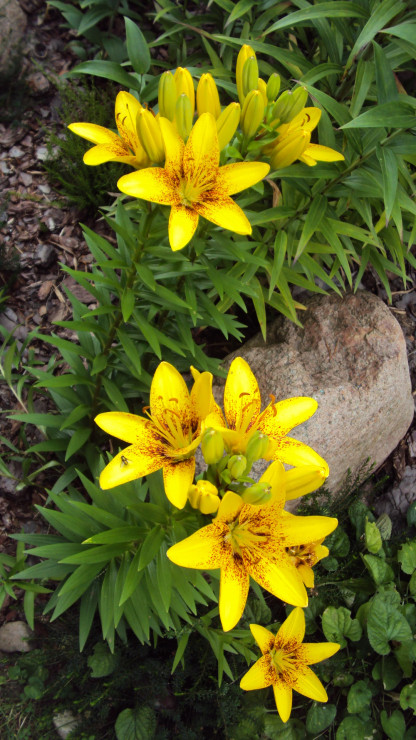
{"points": [[242, 404], [285, 663], [167, 439], [245, 540], [193, 184], [293, 142], [125, 147]]}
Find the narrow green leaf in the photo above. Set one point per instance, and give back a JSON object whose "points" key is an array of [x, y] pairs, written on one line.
{"points": [[306, 16], [239, 9], [182, 643], [100, 554], [137, 47], [113, 536], [385, 82], [313, 218], [151, 546], [164, 577], [127, 303], [78, 440], [108, 70], [132, 580], [389, 170], [380, 16], [386, 115]]}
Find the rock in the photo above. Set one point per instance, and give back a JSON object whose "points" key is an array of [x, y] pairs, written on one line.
{"points": [[12, 27], [45, 254], [14, 637], [351, 357], [16, 152], [396, 502], [38, 83], [65, 723]]}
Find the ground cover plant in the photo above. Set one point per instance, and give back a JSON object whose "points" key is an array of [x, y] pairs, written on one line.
{"points": [[315, 130]]}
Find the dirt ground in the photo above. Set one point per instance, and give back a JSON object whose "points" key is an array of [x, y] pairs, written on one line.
{"points": [[39, 232]]}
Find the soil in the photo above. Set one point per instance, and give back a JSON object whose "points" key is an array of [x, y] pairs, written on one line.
{"points": [[40, 232]]}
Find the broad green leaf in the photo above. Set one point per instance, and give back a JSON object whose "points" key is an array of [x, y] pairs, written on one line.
{"points": [[319, 717], [353, 727], [92, 18], [407, 557], [337, 625], [136, 724], [108, 70], [394, 726], [373, 540], [386, 115], [338, 543], [381, 571], [385, 623], [408, 697], [359, 696], [137, 47], [102, 662]]}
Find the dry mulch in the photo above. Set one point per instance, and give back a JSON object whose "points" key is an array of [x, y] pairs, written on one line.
{"points": [[41, 229]]}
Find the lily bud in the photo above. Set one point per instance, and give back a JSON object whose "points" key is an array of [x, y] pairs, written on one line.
{"points": [[303, 480], [212, 446], [250, 75], [289, 148], [237, 465], [183, 116], [252, 113], [185, 86], [259, 494], [207, 98], [257, 446], [245, 52], [150, 135], [167, 95], [227, 124], [289, 104], [263, 89], [204, 496], [273, 86]]}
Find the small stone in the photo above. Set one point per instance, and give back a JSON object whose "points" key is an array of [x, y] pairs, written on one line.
{"points": [[26, 179], [42, 310], [45, 254], [12, 28], [65, 723], [45, 289], [14, 637], [42, 153], [38, 83], [45, 189], [16, 152], [5, 170]]}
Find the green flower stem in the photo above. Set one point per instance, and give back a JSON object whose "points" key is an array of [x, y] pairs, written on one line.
{"points": [[118, 315]]}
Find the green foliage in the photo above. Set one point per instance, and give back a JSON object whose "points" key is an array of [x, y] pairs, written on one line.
{"points": [[10, 567], [87, 187]]}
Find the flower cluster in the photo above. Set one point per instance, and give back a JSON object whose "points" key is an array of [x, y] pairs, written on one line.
{"points": [[251, 534], [191, 181]]}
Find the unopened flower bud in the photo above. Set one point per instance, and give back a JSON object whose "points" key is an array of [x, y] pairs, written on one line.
{"points": [[237, 465], [183, 116], [204, 496], [207, 98], [289, 148], [257, 446], [167, 95], [150, 135], [252, 113], [185, 86], [273, 86], [260, 494], [263, 89], [212, 446], [245, 52], [289, 104], [250, 75], [227, 124], [303, 480]]}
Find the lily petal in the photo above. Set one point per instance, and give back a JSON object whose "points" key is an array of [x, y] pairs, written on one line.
{"points": [[170, 405], [242, 400], [126, 109], [241, 175], [293, 452], [128, 465], [314, 652], [96, 134], [279, 418], [282, 581], [177, 477], [201, 397], [152, 183], [299, 530], [202, 155], [263, 637], [308, 119], [275, 475], [260, 676], [293, 628], [230, 507], [309, 685], [322, 153], [234, 585], [127, 427], [182, 226], [283, 699], [200, 550], [307, 575], [174, 146], [114, 152], [222, 211]]}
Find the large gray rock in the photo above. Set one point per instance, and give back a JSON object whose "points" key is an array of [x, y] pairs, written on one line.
{"points": [[14, 637], [351, 357], [12, 28]]}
